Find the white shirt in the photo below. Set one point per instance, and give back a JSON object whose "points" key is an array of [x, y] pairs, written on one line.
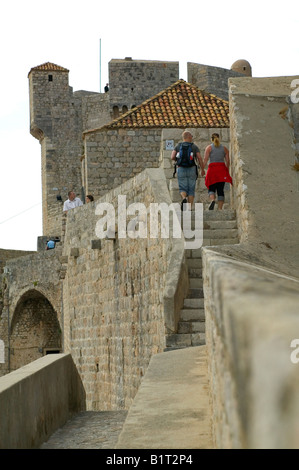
{"points": [[72, 204]]}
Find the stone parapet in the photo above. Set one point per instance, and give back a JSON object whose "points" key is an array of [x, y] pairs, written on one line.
{"points": [[37, 399], [120, 295], [251, 322]]}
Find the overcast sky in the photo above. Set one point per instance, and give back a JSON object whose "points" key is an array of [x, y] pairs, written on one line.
{"points": [[68, 33]]}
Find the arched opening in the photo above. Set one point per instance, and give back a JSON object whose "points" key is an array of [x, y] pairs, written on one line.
{"points": [[35, 330], [115, 112], [124, 109]]}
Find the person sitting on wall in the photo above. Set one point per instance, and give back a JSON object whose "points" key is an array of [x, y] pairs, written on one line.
{"points": [[89, 198], [50, 245], [72, 202], [106, 88]]}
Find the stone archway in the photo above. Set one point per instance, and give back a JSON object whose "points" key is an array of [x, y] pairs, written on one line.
{"points": [[34, 331]]}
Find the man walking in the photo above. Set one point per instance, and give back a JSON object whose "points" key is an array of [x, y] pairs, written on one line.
{"points": [[187, 155]]}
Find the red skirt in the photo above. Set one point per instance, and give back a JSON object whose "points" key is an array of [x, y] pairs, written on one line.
{"points": [[217, 173]]}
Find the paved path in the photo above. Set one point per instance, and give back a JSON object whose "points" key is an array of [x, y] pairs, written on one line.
{"points": [[171, 410], [88, 430]]}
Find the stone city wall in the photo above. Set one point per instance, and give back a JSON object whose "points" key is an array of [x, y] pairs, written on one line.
{"points": [[114, 296]]}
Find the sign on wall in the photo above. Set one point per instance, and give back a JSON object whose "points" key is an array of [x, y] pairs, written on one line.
{"points": [[169, 145]]}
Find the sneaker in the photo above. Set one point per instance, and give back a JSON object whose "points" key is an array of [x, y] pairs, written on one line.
{"points": [[184, 201], [211, 206]]}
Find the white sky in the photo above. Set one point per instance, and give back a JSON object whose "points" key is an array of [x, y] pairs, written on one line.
{"points": [[68, 33]]}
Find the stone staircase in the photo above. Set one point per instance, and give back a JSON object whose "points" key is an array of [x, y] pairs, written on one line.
{"points": [[219, 228]]}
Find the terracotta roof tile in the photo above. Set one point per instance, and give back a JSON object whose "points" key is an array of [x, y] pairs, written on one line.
{"points": [[49, 66], [180, 105]]}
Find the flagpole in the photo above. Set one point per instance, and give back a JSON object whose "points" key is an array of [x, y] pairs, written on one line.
{"points": [[100, 67]]}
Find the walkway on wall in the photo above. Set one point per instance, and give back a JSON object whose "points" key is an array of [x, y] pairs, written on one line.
{"points": [[170, 411], [219, 228], [88, 430]]}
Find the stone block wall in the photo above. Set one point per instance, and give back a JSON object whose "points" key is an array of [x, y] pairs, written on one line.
{"points": [[251, 323], [262, 156], [211, 79], [95, 109], [114, 296], [55, 120], [31, 315], [134, 81], [109, 302], [6, 255], [251, 289], [114, 156], [38, 399]]}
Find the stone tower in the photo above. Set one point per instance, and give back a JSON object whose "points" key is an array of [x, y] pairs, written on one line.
{"points": [[58, 118], [242, 66], [215, 79], [55, 120], [134, 81]]}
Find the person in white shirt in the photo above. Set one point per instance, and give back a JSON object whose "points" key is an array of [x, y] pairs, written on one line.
{"points": [[72, 202]]}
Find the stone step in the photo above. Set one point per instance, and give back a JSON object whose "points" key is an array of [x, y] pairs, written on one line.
{"points": [[219, 228], [191, 327], [195, 273], [194, 263], [213, 228], [184, 340], [192, 314], [220, 241], [193, 253], [220, 233], [228, 214], [226, 205], [195, 293], [215, 215], [220, 224], [193, 303], [195, 283], [215, 238]]}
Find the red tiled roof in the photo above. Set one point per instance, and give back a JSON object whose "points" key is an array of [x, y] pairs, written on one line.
{"points": [[49, 66], [181, 105]]}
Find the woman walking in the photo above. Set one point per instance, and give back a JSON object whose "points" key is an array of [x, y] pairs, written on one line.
{"points": [[218, 171]]}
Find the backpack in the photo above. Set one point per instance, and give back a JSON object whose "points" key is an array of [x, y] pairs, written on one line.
{"points": [[185, 157]]}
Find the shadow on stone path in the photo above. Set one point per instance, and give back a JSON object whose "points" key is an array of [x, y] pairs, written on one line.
{"points": [[88, 430]]}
